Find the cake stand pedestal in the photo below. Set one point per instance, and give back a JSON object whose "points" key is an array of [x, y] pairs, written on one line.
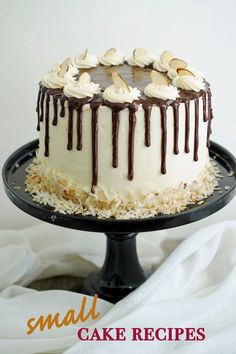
{"points": [[121, 272]]}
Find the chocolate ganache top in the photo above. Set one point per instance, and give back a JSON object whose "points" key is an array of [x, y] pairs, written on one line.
{"points": [[135, 77]]}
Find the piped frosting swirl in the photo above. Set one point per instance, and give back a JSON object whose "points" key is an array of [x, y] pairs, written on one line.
{"points": [[161, 91], [60, 75], [120, 92], [141, 58], [160, 87], [162, 64], [112, 57], [85, 60], [82, 88], [188, 81]]}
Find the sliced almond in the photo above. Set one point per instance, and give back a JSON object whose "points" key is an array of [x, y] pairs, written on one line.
{"points": [[139, 52], [110, 52], [64, 68], [178, 63], [119, 82], [166, 57], [84, 79], [184, 72], [83, 55], [159, 78]]}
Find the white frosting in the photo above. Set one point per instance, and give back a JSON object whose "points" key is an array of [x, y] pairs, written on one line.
{"points": [[172, 73], [116, 58], [114, 94], [147, 161], [163, 92], [56, 67], [72, 70], [141, 61], [188, 82], [90, 61], [53, 80], [158, 65], [78, 90]]}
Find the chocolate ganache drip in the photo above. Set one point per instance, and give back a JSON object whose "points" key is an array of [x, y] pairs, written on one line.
{"points": [[210, 116], [79, 128], [94, 106], [204, 95], [176, 127], [70, 128], [42, 104], [62, 111], [196, 129], [37, 108], [163, 109], [135, 76], [115, 135], [132, 122], [147, 107], [187, 127], [46, 140], [55, 115]]}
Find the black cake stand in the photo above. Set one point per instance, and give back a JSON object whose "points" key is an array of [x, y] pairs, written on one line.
{"points": [[121, 272]]}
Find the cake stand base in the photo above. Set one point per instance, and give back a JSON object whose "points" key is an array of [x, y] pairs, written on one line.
{"points": [[121, 272]]}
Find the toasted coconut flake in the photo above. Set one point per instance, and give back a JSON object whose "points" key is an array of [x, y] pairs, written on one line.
{"points": [[47, 186]]}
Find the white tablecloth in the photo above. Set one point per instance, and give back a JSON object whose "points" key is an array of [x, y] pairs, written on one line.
{"points": [[193, 286]]}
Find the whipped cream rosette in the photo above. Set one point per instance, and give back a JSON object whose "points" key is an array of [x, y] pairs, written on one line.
{"points": [[168, 63], [82, 88], [59, 76], [186, 80], [176, 64], [112, 57], [160, 87], [141, 57], [162, 64], [120, 92], [85, 60]]}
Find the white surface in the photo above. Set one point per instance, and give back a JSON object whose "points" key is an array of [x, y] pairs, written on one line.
{"points": [[36, 34], [194, 287]]}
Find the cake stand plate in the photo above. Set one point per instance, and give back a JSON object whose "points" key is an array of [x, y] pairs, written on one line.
{"points": [[121, 272]]}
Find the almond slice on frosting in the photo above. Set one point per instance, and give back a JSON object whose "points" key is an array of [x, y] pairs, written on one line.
{"points": [[110, 52], [64, 68], [166, 57], [184, 72], [139, 52], [159, 78], [119, 82], [178, 63], [83, 55], [84, 79]]}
